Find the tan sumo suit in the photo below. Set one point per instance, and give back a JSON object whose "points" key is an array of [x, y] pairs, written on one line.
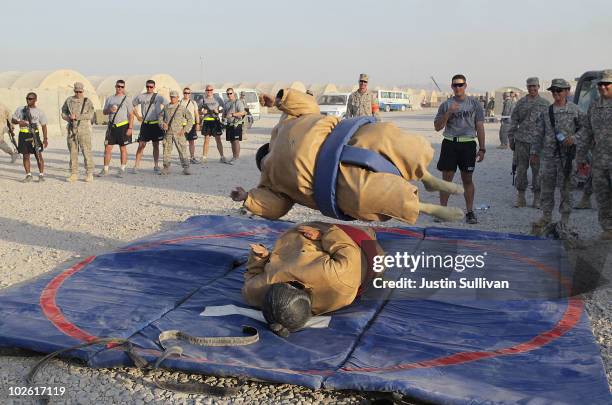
{"points": [[331, 265], [287, 172]]}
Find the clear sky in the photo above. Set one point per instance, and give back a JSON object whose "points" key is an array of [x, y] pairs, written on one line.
{"points": [[495, 43]]}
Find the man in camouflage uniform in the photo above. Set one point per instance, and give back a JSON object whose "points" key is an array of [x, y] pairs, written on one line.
{"points": [[507, 109], [174, 120], [4, 128], [597, 137], [360, 102], [78, 110], [522, 135], [555, 146]]}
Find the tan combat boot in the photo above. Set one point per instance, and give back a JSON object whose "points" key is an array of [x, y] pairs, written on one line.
{"points": [[536, 199], [520, 200], [89, 177], [538, 226], [584, 203], [72, 178]]}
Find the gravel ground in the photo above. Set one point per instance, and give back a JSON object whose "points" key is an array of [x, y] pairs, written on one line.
{"points": [[43, 226]]}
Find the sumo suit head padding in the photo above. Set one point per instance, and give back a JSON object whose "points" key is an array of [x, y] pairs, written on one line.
{"points": [[287, 308]]}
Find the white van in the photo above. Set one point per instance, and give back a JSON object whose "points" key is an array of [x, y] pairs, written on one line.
{"points": [[333, 104]]}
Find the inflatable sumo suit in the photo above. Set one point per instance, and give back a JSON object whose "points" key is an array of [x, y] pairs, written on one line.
{"points": [[351, 169]]}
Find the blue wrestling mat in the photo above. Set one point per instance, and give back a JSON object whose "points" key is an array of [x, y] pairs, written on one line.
{"points": [[443, 349]]}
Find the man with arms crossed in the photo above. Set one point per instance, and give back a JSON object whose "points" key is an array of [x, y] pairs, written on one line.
{"points": [[211, 125], [462, 118]]}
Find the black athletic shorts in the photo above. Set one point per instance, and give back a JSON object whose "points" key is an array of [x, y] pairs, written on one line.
{"points": [[233, 133], [457, 154], [150, 132], [118, 136], [211, 128], [25, 144], [193, 134]]}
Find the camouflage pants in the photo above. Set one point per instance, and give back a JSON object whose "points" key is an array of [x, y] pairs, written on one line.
{"points": [[552, 174], [82, 140], [522, 155], [5, 146], [503, 132], [181, 146], [602, 185]]}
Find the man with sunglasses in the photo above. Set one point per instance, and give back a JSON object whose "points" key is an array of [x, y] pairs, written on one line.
{"points": [[462, 118], [211, 125], [522, 135], [560, 126], [78, 111], [234, 113], [597, 138], [121, 120], [151, 105], [30, 118], [360, 102], [191, 134]]}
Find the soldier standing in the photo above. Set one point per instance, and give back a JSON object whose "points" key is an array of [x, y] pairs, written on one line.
{"points": [[234, 113], [119, 132], [78, 110], [507, 109], [174, 121], [192, 134], [598, 138], [560, 128], [29, 118], [211, 125], [522, 135], [151, 105], [360, 102]]}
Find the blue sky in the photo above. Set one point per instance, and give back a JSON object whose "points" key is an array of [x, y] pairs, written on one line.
{"points": [[494, 43]]}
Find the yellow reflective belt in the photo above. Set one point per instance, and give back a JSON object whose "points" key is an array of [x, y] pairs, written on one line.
{"points": [[209, 119], [26, 130], [120, 124], [151, 122], [460, 138]]}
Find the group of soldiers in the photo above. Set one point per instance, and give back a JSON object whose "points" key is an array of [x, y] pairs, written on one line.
{"points": [[560, 139], [173, 122]]}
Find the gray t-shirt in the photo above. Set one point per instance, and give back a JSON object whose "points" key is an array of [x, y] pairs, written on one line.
{"points": [[463, 121], [38, 116], [211, 104], [123, 113], [144, 100], [232, 107]]}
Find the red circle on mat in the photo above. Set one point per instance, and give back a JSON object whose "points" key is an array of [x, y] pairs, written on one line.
{"points": [[570, 317]]}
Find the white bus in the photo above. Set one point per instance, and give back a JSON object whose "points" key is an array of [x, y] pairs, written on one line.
{"points": [[392, 100]]}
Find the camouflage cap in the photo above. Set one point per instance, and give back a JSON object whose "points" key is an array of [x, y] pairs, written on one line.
{"points": [[174, 93], [606, 76], [79, 86], [533, 81], [559, 84], [363, 76]]}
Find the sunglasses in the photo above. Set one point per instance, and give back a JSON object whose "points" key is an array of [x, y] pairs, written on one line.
{"points": [[363, 81], [78, 91], [229, 94], [604, 84], [186, 92], [150, 87], [119, 86], [457, 84], [209, 89], [30, 98]]}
